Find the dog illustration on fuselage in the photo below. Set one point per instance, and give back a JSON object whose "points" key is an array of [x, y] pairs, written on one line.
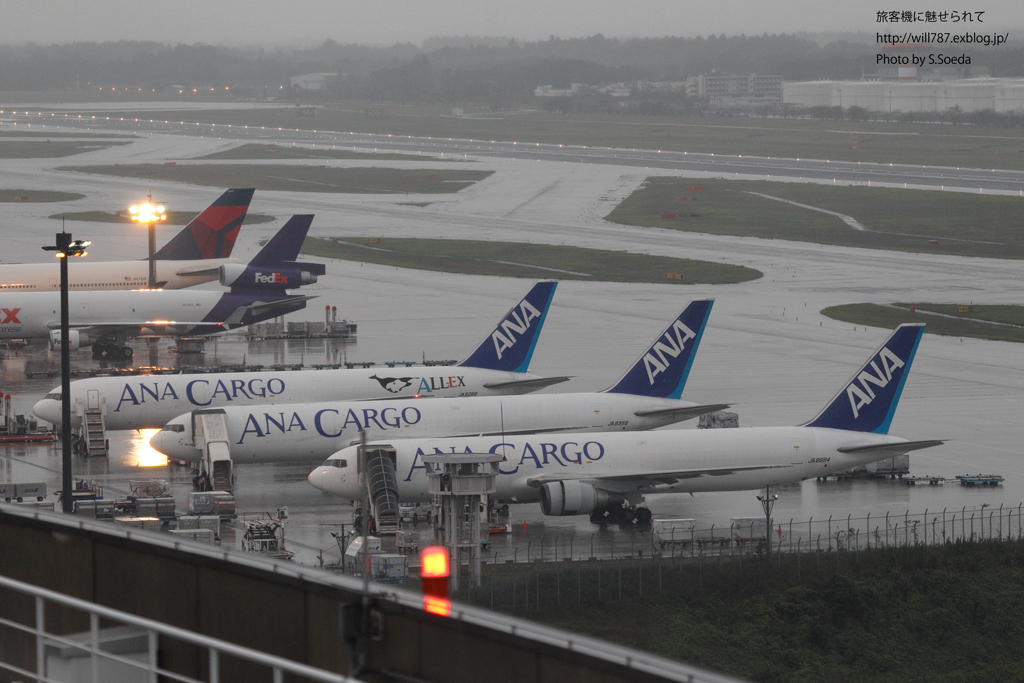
{"points": [[393, 384]]}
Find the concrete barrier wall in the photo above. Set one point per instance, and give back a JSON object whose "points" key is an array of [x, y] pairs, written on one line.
{"points": [[283, 609]]}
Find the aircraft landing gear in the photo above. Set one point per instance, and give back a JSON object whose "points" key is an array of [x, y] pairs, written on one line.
{"points": [[112, 352], [640, 516]]}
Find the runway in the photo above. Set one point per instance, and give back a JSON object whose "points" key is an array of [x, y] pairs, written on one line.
{"points": [[767, 350]]}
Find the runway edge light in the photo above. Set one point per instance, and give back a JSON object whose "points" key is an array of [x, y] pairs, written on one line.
{"points": [[434, 573]]}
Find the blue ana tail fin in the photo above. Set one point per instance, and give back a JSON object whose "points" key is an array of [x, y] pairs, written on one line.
{"points": [[212, 233], [510, 345], [867, 402], [662, 370], [285, 244]]}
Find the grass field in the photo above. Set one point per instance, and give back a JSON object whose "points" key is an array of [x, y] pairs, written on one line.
{"points": [[46, 149], [949, 614], [921, 221], [512, 259], [963, 146], [889, 317], [255, 151], [298, 178], [173, 217], [38, 196]]}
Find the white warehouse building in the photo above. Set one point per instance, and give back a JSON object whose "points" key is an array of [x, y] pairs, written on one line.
{"points": [[974, 94]]}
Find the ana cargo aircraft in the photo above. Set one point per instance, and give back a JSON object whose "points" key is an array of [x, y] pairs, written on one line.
{"points": [[497, 367], [608, 475], [107, 319], [192, 257], [646, 397]]}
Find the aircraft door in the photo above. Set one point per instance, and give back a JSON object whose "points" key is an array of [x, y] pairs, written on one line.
{"points": [[596, 418], [93, 399]]}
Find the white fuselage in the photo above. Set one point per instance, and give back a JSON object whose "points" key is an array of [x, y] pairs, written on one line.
{"points": [[310, 432], [32, 315], [86, 275], [152, 402], [793, 454]]}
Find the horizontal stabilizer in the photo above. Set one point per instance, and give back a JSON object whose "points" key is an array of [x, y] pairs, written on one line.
{"points": [[683, 412], [896, 448], [198, 270], [528, 385], [260, 308]]}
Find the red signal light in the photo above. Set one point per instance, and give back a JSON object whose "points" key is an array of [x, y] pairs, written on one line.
{"points": [[434, 572]]}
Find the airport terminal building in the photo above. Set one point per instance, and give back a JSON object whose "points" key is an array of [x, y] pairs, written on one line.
{"points": [[972, 94]]}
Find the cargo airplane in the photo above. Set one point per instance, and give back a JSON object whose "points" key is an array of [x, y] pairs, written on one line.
{"points": [[106, 319], [646, 397], [498, 366], [607, 476], [192, 257]]}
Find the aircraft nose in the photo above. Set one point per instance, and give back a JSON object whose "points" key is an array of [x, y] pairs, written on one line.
{"points": [[47, 409], [316, 478], [160, 443]]}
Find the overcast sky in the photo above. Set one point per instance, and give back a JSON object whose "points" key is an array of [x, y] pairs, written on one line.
{"points": [[305, 22]]}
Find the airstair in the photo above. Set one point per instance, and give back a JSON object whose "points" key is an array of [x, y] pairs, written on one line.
{"points": [[383, 487], [210, 435], [94, 434]]}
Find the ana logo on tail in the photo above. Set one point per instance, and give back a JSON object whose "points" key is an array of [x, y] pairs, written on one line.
{"points": [[673, 347], [862, 395], [517, 323]]}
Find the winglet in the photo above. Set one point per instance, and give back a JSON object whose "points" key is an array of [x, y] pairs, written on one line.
{"points": [[510, 345], [867, 402], [212, 233], [285, 244], [662, 370]]}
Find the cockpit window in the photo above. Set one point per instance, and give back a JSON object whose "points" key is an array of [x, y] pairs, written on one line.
{"points": [[335, 462], [173, 428], [55, 396]]}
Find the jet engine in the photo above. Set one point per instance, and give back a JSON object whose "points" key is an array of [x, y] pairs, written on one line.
{"points": [[561, 498], [76, 340], [266, 277]]}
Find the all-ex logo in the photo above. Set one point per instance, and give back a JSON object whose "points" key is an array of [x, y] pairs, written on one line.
{"points": [[513, 327], [540, 455], [198, 391], [271, 279], [655, 360], [427, 385], [862, 395], [10, 316], [326, 421]]}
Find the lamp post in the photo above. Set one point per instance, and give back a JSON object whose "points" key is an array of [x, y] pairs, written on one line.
{"points": [[66, 248], [767, 503], [150, 215]]}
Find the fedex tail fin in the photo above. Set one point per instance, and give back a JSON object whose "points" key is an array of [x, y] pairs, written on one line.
{"points": [[510, 345], [285, 244], [212, 233], [662, 370], [868, 401]]}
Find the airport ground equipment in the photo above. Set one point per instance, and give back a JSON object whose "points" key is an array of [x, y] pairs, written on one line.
{"points": [[264, 535], [673, 532], [220, 503], [744, 530], [382, 487], [22, 492], [462, 483], [210, 431]]}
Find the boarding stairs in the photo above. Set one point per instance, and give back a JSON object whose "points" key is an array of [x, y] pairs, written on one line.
{"points": [[382, 483], [94, 433], [210, 436]]}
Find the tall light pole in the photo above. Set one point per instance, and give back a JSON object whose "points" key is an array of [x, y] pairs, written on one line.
{"points": [[150, 215], [767, 503], [65, 249]]}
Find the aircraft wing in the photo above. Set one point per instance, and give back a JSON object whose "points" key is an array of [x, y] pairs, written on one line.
{"points": [[683, 412], [898, 448], [530, 384], [619, 482]]}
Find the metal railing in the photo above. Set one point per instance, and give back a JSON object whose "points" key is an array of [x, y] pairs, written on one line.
{"points": [[154, 630]]}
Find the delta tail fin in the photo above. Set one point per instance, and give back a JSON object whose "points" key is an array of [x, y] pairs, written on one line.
{"points": [[510, 345], [212, 233], [662, 370], [867, 402]]}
